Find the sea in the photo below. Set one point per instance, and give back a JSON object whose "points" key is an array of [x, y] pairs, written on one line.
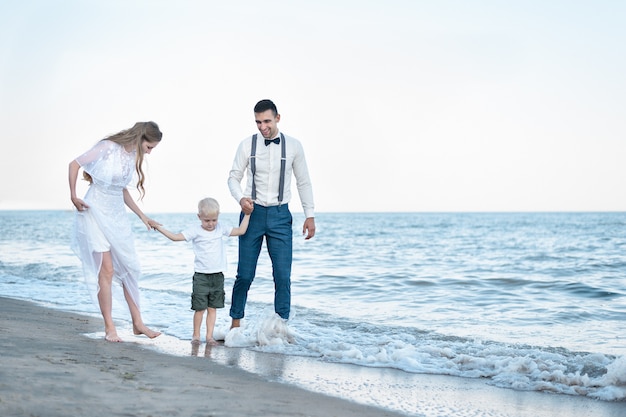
{"points": [[523, 301]]}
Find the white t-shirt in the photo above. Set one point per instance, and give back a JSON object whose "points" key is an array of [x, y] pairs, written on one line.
{"points": [[209, 247]]}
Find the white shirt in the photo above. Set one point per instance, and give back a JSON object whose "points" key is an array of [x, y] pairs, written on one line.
{"points": [[209, 247], [267, 176]]}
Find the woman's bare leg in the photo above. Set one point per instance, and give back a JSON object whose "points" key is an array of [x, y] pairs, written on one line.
{"points": [[105, 299], [138, 326]]}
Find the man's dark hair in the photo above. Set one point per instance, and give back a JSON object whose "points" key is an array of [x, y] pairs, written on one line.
{"points": [[265, 105]]}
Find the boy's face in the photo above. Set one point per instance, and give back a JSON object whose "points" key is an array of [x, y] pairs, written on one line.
{"points": [[208, 220]]}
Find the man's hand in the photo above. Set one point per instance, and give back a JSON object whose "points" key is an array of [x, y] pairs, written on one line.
{"points": [[309, 228]]}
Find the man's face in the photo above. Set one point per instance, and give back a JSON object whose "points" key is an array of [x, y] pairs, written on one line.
{"points": [[267, 123]]}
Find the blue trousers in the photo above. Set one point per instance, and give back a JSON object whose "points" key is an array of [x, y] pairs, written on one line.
{"points": [[275, 225]]}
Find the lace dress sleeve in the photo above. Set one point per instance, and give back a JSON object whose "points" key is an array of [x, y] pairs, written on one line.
{"points": [[108, 164]]}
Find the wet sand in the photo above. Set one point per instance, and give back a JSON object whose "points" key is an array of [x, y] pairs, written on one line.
{"points": [[48, 367]]}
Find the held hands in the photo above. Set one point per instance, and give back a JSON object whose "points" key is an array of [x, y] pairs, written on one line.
{"points": [[308, 230], [152, 224], [247, 205]]}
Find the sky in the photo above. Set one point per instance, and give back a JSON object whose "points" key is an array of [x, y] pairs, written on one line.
{"points": [[401, 105]]}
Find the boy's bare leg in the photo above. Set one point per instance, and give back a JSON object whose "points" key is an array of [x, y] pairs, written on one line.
{"points": [[235, 323], [210, 325], [197, 322], [105, 299]]}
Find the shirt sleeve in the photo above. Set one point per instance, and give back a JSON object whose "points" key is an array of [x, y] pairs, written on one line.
{"points": [[189, 234], [226, 229], [240, 165], [303, 183]]}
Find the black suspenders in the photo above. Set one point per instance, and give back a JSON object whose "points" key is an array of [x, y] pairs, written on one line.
{"points": [[283, 162], [253, 166]]}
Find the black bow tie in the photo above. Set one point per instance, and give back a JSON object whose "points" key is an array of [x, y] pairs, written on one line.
{"points": [[268, 141]]}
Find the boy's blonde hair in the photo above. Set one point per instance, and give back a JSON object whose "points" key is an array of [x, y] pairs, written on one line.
{"points": [[208, 206]]}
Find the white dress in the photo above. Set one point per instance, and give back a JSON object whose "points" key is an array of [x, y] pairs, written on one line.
{"points": [[105, 225]]}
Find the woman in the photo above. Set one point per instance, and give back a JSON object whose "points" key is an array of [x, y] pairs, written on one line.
{"points": [[103, 238]]}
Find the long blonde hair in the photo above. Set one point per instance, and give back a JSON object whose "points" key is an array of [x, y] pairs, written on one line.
{"points": [[135, 136]]}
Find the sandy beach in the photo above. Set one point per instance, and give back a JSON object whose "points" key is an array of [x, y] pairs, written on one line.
{"points": [[48, 367]]}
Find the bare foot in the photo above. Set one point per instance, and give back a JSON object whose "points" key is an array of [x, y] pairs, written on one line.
{"points": [[111, 336], [235, 323], [195, 340], [211, 342], [194, 349], [144, 330]]}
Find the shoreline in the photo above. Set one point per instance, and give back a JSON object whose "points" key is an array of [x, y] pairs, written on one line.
{"points": [[50, 367]]}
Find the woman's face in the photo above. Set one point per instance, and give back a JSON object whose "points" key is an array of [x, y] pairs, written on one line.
{"points": [[148, 146]]}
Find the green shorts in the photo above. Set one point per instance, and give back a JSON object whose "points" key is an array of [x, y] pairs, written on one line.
{"points": [[208, 291]]}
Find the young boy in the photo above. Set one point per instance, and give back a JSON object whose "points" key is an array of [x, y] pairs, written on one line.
{"points": [[209, 264]]}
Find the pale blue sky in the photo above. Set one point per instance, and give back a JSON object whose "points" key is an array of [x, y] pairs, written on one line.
{"points": [[400, 105]]}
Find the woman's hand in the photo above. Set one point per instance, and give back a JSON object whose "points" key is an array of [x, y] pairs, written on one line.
{"points": [[79, 204]]}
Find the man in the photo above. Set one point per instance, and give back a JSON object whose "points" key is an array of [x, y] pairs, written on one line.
{"points": [[268, 160]]}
